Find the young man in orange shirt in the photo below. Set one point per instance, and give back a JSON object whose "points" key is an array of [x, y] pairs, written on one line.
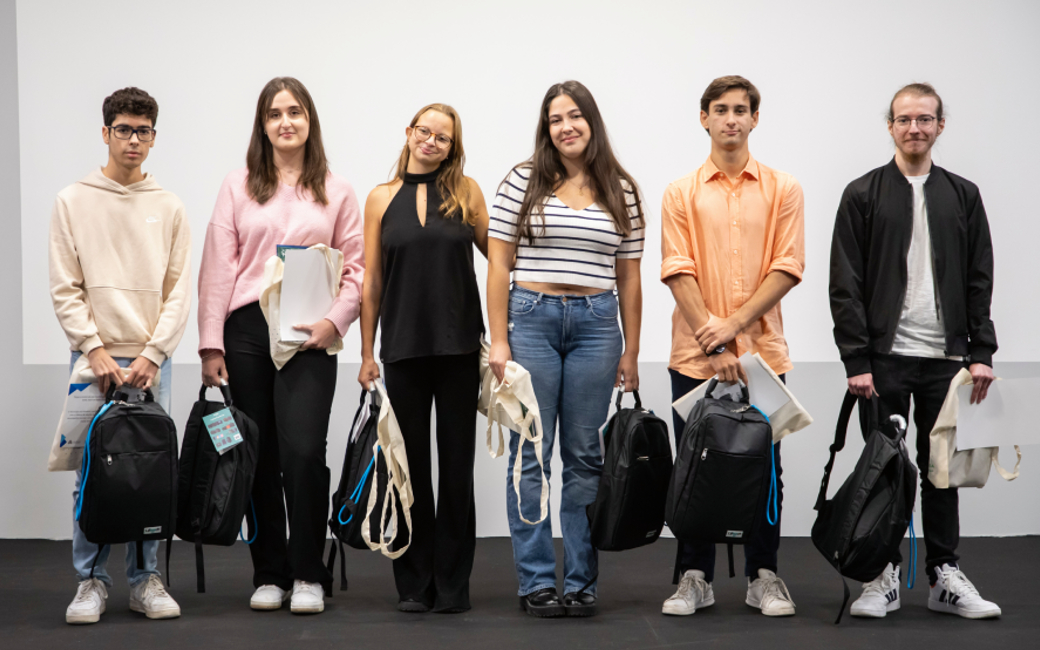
{"points": [[911, 284], [733, 244]]}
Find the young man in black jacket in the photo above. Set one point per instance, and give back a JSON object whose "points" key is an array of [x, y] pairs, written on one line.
{"points": [[910, 290]]}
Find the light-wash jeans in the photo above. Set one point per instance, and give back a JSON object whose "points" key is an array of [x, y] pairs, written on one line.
{"points": [[83, 552], [571, 345]]}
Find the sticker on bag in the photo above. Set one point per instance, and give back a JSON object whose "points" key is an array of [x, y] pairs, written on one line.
{"points": [[222, 430]]}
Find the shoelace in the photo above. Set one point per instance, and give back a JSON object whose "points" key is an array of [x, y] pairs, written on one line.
{"points": [[307, 588], [154, 589], [774, 588], [688, 583], [880, 585], [958, 583], [84, 594]]}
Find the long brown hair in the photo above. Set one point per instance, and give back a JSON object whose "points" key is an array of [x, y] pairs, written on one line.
{"points": [[601, 166], [452, 185], [263, 176]]}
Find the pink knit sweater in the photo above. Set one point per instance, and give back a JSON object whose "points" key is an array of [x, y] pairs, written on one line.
{"points": [[243, 235]]}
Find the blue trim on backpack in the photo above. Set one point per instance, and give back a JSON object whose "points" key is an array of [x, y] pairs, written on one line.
{"points": [[773, 500], [911, 580], [85, 468], [356, 494], [252, 506]]}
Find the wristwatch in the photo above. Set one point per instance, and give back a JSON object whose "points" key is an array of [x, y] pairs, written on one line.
{"points": [[718, 350]]}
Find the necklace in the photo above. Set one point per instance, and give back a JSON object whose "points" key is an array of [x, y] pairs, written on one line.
{"points": [[581, 188]]}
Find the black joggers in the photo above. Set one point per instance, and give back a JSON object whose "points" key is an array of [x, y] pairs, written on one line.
{"points": [[436, 568], [291, 407]]}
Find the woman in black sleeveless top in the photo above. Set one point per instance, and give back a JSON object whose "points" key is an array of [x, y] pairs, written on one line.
{"points": [[421, 289]]}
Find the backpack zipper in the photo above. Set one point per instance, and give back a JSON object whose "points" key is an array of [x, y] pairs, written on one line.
{"points": [[704, 454]]}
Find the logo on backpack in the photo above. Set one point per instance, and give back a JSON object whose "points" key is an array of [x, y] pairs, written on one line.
{"points": [[153, 530], [734, 534]]}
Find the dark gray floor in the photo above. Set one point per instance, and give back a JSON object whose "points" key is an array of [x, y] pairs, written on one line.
{"points": [[36, 585]]}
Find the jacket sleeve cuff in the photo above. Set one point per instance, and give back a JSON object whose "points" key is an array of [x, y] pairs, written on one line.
{"points": [[982, 355], [92, 343], [153, 354], [857, 365], [677, 265]]}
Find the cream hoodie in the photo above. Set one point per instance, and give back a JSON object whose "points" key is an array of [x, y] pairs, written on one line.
{"points": [[120, 267]]}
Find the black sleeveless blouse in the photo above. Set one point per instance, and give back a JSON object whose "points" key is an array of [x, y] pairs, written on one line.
{"points": [[430, 304]]}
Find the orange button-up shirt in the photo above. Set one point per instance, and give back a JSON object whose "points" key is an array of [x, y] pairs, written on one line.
{"points": [[729, 236]]}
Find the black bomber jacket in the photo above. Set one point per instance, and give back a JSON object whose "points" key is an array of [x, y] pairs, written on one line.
{"points": [[869, 248]]}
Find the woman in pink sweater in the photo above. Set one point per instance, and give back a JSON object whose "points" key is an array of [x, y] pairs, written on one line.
{"points": [[286, 195]]}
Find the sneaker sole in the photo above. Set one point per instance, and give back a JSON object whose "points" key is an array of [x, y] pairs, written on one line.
{"points": [[581, 611], [414, 608], [774, 613], [82, 619], [265, 606], [944, 608], [155, 615], [310, 609], [890, 607], [685, 612]]}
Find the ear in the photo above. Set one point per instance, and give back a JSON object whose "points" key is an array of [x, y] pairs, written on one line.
{"points": [[105, 133], [407, 132], [704, 120], [754, 120], [942, 125], [891, 129]]}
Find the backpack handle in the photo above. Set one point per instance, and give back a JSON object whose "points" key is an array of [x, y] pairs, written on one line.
{"points": [[621, 393], [745, 396], [839, 437], [225, 392], [119, 394]]}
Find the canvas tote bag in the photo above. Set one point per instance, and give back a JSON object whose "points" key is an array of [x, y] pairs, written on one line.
{"points": [[389, 443], [512, 404], [949, 467]]}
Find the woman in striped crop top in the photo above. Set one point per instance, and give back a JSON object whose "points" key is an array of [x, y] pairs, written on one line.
{"points": [[568, 224]]}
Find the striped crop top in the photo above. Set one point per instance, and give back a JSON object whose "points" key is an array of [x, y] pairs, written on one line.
{"points": [[576, 247]]}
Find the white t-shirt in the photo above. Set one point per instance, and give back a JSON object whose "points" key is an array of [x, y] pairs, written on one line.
{"points": [[920, 332], [577, 247]]}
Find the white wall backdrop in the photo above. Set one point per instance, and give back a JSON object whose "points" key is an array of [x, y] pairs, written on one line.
{"points": [[826, 72]]}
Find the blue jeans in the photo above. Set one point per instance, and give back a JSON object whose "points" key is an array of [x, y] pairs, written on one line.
{"points": [[571, 345], [83, 551]]}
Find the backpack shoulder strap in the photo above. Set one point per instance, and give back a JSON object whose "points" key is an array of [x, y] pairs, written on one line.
{"points": [[839, 444]]}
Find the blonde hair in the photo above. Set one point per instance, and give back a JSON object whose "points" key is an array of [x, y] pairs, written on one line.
{"points": [[451, 183]]}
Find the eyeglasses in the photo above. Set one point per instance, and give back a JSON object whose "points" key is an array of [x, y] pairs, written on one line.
{"points": [[422, 134], [924, 122], [124, 132]]}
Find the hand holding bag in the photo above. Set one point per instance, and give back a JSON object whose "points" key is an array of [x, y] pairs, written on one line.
{"points": [[512, 403], [950, 468], [389, 443]]}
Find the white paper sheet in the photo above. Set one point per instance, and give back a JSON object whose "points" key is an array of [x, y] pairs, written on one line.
{"points": [[1006, 417], [306, 296], [765, 393]]}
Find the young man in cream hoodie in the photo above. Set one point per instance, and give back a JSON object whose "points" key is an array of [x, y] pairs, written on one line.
{"points": [[120, 266]]}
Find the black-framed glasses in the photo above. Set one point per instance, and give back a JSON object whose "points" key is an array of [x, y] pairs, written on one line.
{"points": [[422, 134], [924, 122], [124, 132]]}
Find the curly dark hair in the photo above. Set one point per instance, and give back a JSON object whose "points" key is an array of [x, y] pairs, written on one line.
{"points": [[129, 101]]}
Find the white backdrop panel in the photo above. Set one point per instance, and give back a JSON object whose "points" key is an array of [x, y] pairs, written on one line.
{"points": [[826, 71]]}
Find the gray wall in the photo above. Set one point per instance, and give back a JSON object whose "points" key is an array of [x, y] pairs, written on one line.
{"points": [[35, 503]]}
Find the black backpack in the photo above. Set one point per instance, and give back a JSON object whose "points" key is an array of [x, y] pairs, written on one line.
{"points": [[361, 466], [214, 490], [129, 488], [629, 508], [859, 530], [724, 476]]}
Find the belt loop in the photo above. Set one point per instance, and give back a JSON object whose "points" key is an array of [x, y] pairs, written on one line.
{"points": [[538, 298], [588, 301]]}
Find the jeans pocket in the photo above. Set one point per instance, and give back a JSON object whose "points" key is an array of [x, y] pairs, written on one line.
{"points": [[605, 309], [518, 305]]}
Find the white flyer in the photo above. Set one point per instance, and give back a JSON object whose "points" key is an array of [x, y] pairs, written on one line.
{"points": [[307, 293], [1005, 417]]}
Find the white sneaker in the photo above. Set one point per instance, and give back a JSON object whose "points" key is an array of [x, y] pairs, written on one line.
{"points": [[149, 597], [89, 603], [268, 597], [953, 593], [307, 598], [880, 595], [693, 594], [769, 594]]}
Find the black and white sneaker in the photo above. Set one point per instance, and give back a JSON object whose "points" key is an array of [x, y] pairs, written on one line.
{"points": [[880, 595], [953, 593]]}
